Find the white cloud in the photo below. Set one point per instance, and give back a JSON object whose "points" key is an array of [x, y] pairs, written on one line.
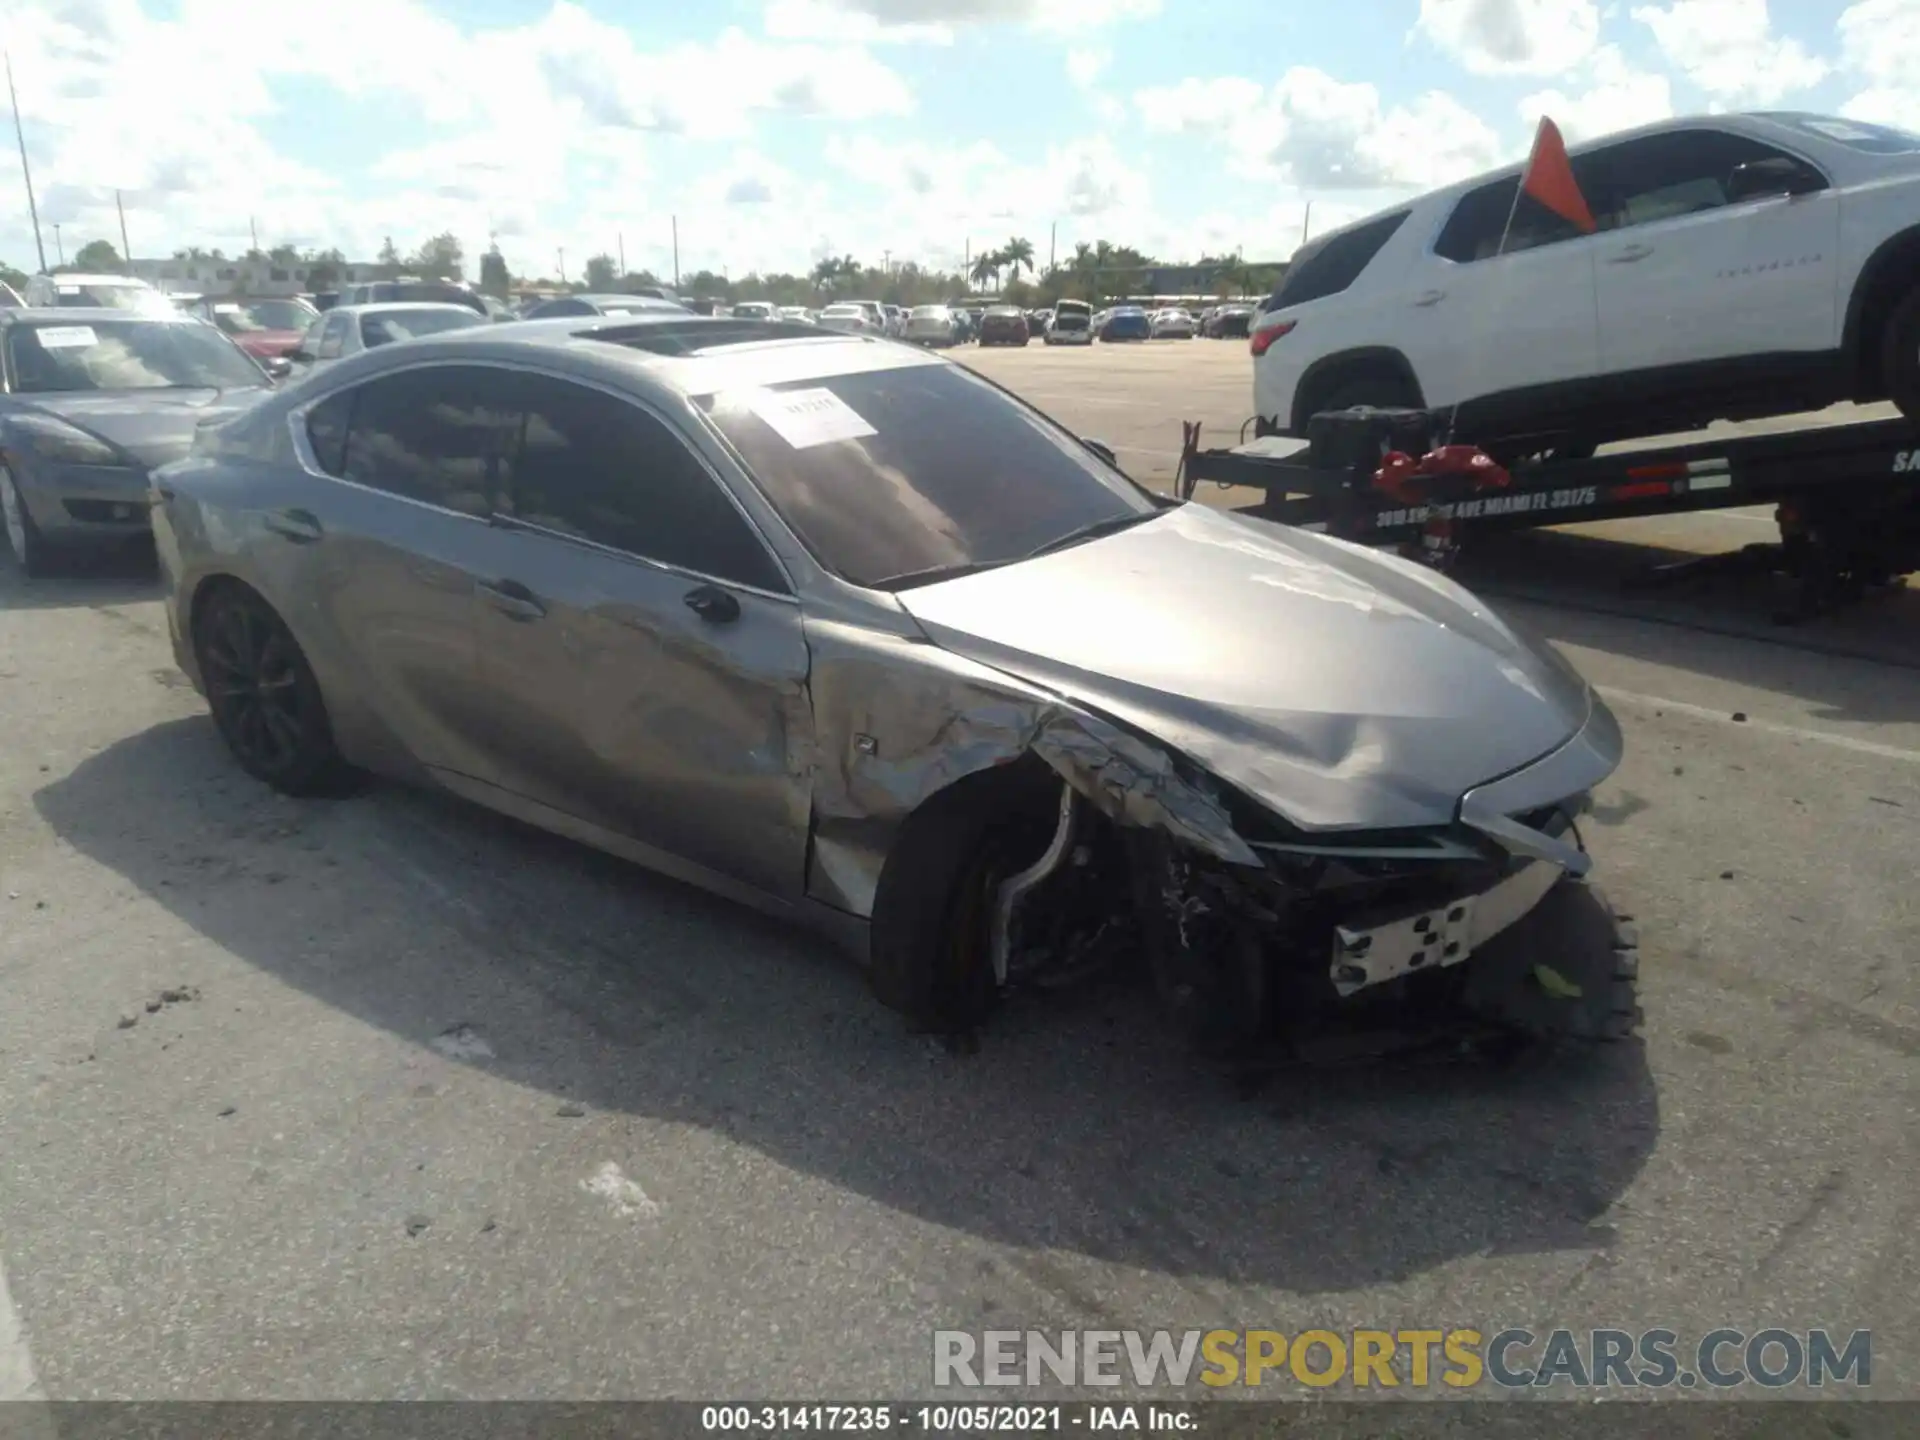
{"points": [[1512, 37], [1880, 46], [1085, 64], [937, 20], [1609, 95], [1729, 50], [1323, 134]]}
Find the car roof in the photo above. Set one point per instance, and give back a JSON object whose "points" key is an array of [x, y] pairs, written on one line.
{"points": [[387, 307], [679, 354], [70, 278]]}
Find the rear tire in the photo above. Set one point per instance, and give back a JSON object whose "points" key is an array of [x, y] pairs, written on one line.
{"points": [[265, 699], [1900, 356], [930, 934]]}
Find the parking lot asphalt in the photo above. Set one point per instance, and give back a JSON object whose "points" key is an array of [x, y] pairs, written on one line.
{"points": [[385, 1097]]}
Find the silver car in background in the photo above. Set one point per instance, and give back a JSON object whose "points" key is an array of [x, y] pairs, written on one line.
{"points": [[350, 329], [932, 325], [849, 633], [1172, 323], [850, 319], [93, 401]]}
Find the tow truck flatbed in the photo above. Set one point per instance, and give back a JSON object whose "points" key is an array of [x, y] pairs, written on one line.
{"points": [[1847, 497]]}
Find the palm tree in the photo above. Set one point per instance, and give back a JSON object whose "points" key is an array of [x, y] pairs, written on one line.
{"points": [[986, 266], [1017, 253]]}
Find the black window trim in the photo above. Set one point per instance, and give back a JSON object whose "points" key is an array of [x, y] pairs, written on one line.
{"points": [[310, 463]]}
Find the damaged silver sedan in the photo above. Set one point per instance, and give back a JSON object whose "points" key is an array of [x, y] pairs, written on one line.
{"points": [[843, 630]]}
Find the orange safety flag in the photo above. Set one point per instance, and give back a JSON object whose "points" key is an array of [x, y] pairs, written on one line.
{"points": [[1548, 178]]}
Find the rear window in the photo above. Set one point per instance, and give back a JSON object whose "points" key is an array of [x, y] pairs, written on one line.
{"points": [[891, 472], [1329, 266]]}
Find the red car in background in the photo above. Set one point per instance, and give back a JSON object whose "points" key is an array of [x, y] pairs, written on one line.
{"points": [[266, 329]]}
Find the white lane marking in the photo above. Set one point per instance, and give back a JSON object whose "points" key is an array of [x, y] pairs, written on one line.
{"points": [[1771, 727], [17, 1378], [629, 1201]]}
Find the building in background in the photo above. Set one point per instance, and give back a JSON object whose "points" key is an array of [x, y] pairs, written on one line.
{"points": [[229, 276]]}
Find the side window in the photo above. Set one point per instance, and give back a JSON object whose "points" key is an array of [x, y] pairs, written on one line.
{"points": [[441, 434], [596, 467], [309, 342], [333, 336], [1334, 264], [327, 426], [1486, 216], [1664, 177]]}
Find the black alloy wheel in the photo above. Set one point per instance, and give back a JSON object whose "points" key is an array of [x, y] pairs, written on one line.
{"points": [[263, 694]]}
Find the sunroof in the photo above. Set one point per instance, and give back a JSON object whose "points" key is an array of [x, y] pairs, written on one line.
{"points": [[683, 337]]}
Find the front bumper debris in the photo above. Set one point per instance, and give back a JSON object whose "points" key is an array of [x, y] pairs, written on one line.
{"points": [[1365, 955]]}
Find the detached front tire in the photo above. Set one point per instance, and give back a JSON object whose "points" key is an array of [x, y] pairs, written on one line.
{"points": [[1567, 971]]}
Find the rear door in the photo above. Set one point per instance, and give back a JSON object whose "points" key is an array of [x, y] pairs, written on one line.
{"points": [[642, 650], [386, 557], [1502, 301]]}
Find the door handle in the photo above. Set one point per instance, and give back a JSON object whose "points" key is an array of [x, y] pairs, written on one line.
{"points": [[1432, 297], [299, 526], [512, 599], [710, 602], [1630, 254]]}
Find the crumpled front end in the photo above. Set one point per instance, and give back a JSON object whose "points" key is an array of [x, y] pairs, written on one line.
{"points": [[1250, 928]]}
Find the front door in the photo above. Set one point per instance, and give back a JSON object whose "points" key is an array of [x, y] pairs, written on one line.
{"points": [[645, 660], [1686, 278]]}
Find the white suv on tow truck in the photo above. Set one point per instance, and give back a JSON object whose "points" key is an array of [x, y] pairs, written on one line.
{"points": [[1744, 265]]}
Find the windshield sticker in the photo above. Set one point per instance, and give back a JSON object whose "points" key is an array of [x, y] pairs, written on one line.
{"points": [[805, 418], [66, 337]]}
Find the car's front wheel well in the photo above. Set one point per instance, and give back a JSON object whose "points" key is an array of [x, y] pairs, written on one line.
{"points": [[1384, 369], [210, 589]]}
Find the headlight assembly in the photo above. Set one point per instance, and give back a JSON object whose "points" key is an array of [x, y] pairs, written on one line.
{"points": [[54, 439]]}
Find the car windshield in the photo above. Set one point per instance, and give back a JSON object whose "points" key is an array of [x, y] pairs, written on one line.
{"points": [[245, 317], [890, 473], [125, 355], [98, 295], [390, 325]]}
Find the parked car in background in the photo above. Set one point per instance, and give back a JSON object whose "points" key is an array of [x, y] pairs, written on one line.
{"points": [[498, 310], [600, 305], [1740, 265], [413, 291], [654, 590], [1072, 324], [1004, 325], [933, 326], [91, 401], [348, 329], [896, 320], [1038, 320], [185, 303], [754, 310], [266, 329], [1126, 322], [96, 292], [1227, 322], [851, 319], [798, 314], [1171, 323]]}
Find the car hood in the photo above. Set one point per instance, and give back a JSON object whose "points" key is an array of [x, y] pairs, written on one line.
{"points": [[154, 427], [1342, 687]]}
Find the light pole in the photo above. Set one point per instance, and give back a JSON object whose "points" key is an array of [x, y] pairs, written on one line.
{"points": [[26, 173], [59, 249]]}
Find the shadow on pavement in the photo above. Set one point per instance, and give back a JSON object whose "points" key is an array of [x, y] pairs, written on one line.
{"points": [[110, 577], [1075, 1130]]}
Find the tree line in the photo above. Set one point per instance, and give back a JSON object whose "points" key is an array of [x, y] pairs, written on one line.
{"points": [[1095, 272]]}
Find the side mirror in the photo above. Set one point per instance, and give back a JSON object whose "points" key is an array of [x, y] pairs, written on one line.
{"points": [[1776, 175], [1103, 450], [277, 366]]}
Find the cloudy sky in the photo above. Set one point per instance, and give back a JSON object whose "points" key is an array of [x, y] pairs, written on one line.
{"points": [[777, 131]]}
